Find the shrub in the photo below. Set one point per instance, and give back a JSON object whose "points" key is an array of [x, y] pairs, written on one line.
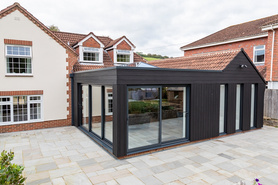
{"points": [[10, 173]]}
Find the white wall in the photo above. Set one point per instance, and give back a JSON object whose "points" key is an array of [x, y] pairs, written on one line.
{"points": [[48, 62]]}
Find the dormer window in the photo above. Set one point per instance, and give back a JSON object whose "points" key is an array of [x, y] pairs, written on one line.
{"points": [[123, 56], [90, 54], [90, 50]]}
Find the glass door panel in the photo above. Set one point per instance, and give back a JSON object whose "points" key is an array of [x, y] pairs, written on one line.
{"points": [[96, 109], [173, 113], [143, 116], [85, 107], [238, 106], [108, 126], [222, 109]]}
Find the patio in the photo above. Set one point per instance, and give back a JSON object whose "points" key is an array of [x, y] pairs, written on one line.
{"points": [[52, 156]]}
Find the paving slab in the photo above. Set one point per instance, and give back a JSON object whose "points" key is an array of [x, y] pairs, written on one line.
{"points": [[65, 155]]}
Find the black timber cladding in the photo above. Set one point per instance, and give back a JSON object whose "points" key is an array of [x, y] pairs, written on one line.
{"points": [[204, 96]]}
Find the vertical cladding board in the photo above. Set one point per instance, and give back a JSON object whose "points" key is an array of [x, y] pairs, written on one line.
{"points": [[119, 120], [260, 105], [246, 106], [231, 109], [204, 111]]}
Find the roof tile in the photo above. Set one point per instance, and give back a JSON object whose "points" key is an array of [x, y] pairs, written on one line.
{"points": [[206, 61], [247, 29]]}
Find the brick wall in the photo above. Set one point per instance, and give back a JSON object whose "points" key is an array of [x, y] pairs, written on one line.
{"points": [[33, 126], [275, 56], [91, 42], [21, 93], [18, 42], [248, 47], [124, 46], [111, 54]]}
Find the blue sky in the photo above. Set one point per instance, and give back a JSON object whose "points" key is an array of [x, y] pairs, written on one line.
{"points": [[154, 26]]}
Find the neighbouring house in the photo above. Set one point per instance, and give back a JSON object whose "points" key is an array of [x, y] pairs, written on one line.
{"points": [[35, 68], [182, 100], [257, 37]]}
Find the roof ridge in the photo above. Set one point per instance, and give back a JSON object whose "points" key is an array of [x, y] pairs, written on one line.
{"points": [[252, 21], [242, 30], [69, 32], [201, 54]]}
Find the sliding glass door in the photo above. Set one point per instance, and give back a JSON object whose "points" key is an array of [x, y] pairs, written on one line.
{"points": [[97, 110], [143, 116], [157, 115]]}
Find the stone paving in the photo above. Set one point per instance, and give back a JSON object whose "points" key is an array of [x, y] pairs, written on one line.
{"points": [[67, 156]]}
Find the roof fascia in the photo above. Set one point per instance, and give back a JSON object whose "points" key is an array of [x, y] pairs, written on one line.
{"points": [[225, 42], [270, 27]]}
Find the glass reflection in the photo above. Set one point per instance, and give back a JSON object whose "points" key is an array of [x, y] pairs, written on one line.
{"points": [[143, 117]]}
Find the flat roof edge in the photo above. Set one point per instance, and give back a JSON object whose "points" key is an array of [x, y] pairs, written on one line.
{"points": [[146, 68]]}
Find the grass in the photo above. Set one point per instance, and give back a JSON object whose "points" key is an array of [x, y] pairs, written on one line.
{"points": [[151, 58]]}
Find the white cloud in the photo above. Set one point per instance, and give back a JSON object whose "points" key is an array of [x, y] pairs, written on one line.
{"points": [[154, 26]]}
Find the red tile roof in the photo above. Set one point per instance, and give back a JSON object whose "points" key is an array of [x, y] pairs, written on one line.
{"points": [[74, 38], [247, 29], [112, 43], [262, 70], [206, 61]]}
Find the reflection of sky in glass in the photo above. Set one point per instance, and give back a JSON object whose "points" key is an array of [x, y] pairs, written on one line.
{"points": [[259, 54]]}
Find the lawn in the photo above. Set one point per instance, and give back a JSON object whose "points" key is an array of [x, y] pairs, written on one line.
{"points": [[151, 58]]}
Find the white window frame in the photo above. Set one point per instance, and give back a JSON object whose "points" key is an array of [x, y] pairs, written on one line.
{"points": [[123, 52], [28, 109], [109, 98], [90, 50], [254, 54], [7, 103], [18, 56]]}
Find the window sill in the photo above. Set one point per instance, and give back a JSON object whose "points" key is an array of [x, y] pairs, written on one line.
{"points": [[259, 63], [123, 63], [19, 75], [90, 63]]}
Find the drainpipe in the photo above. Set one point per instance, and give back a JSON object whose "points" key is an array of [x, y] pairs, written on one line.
{"points": [[272, 53]]}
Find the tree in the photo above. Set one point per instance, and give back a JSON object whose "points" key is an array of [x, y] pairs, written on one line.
{"points": [[53, 28]]}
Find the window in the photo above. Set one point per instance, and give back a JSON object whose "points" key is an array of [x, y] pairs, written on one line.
{"points": [[110, 102], [259, 54], [238, 107], [5, 109], [253, 105], [222, 110], [18, 59], [90, 54], [20, 108], [123, 56]]}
